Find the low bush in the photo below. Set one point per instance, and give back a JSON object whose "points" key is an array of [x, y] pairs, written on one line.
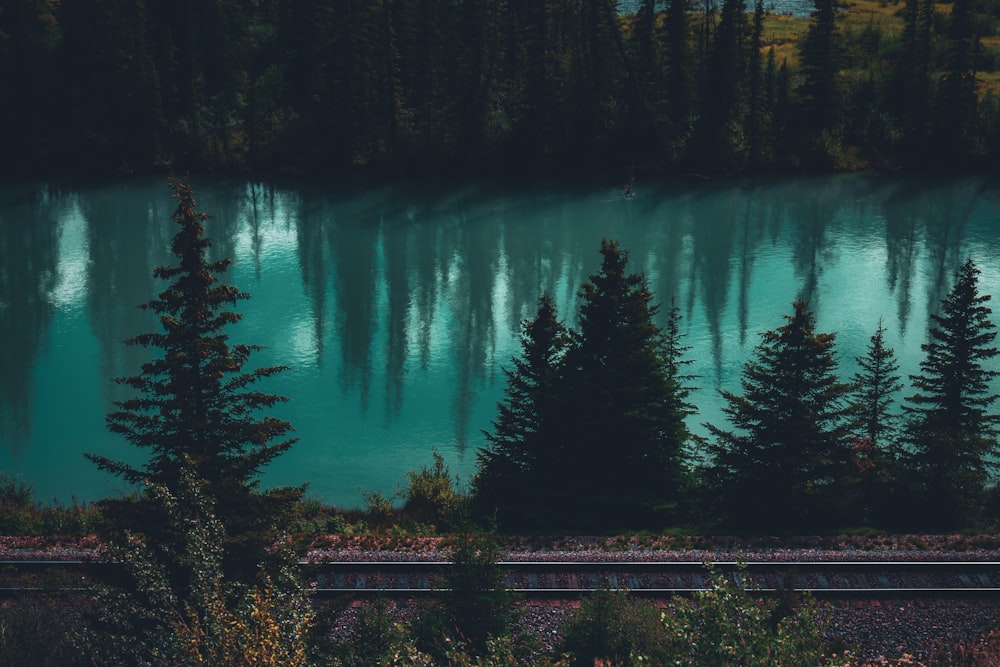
{"points": [[431, 498], [726, 626], [170, 603], [474, 607], [614, 628], [21, 514]]}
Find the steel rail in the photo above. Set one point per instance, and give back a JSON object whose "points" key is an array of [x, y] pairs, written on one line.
{"points": [[661, 579]]}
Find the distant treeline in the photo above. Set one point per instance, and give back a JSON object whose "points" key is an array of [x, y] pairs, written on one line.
{"points": [[407, 87]]}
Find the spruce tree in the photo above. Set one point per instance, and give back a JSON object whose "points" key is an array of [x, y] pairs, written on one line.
{"points": [[875, 383], [758, 114], [958, 98], [912, 77], [678, 89], [952, 434], [195, 408], [718, 138], [876, 475], [512, 471], [821, 57], [675, 360], [778, 468], [623, 421]]}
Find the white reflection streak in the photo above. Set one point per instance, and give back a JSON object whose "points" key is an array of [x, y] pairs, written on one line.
{"points": [[501, 286], [70, 289], [273, 243], [276, 240], [301, 343]]}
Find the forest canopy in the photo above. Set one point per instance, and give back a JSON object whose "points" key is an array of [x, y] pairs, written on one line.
{"points": [[401, 88]]}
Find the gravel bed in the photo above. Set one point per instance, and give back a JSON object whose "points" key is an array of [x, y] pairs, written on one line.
{"points": [[873, 631], [890, 628], [699, 550], [614, 549], [41, 548]]}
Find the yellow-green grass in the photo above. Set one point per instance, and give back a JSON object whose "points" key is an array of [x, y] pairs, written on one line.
{"points": [[989, 82], [785, 33]]}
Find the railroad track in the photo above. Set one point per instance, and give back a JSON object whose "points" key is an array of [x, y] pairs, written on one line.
{"points": [[665, 579], [568, 580]]}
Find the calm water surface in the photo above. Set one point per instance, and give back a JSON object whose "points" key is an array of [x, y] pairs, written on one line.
{"points": [[397, 307]]}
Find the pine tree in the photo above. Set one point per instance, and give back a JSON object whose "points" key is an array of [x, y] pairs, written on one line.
{"points": [[195, 408], [675, 361], [958, 100], [533, 46], [913, 73], [476, 600], [678, 91], [952, 434], [821, 58], [875, 383], [875, 476], [623, 425], [779, 467], [510, 482], [758, 114], [719, 141]]}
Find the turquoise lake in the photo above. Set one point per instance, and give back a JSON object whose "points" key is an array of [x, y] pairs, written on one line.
{"points": [[396, 307]]}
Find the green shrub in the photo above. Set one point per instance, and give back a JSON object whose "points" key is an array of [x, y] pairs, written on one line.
{"points": [[430, 502], [170, 604], [727, 627], [377, 639], [315, 518], [612, 626], [15, 493], [430, 497], [20, 514], [474, 607], [16, 505], [380, 511]]}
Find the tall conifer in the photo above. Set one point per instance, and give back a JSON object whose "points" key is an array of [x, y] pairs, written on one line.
{"points": [[195, 409], [821, 57], [624, 412], [913, 74], [789, 446], [958, 99], [875, 476], [950, 429], [875, 383], [678, 89], [517, 471], [718, 138]]}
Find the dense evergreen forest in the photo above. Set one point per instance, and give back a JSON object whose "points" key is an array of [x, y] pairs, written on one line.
{"points": [[408, 87], [592, 435]]}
